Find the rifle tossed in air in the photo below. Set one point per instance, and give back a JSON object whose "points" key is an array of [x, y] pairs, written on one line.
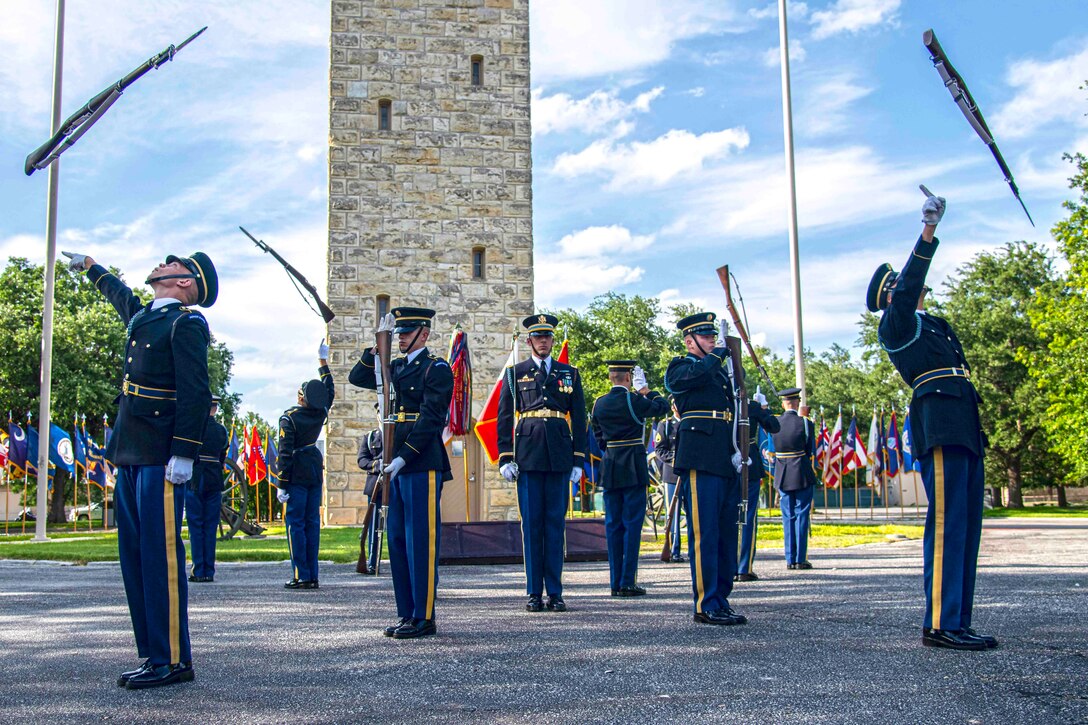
{"points": [[81, 121], [955, 84], [296, 278]]}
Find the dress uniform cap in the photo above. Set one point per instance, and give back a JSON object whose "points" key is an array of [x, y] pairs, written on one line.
{"points": [[216, 398], [410, 318], [540, 324], [207, 280], [701, 323], [876, 297], [621, 366], [789, 393], [314, 394]]}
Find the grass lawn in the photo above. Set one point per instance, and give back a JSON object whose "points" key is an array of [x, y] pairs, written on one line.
{"points": [[1038, 512], [824, 536]]}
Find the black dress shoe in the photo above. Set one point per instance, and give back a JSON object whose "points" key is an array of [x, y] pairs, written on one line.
{"points": [[791, 566], [746, 577], [802, 565], [416, 628], [388, 631], [951, 640], [293, 584], [631, 591], [309, 584], [615, 592], [192, 577], [161, 676], [556, 603], [201, 579], [679, 560], [989, 640], [534, 605], [716, 617], [728, 612], [126, 676]]}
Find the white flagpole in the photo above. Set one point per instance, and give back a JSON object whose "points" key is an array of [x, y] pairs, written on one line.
{"points": [[45, 389]]}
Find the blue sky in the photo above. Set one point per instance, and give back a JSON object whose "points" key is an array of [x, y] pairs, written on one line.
{"points": [[658, 151]]}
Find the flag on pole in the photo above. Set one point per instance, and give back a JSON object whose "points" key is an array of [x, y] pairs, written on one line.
{"points": [[564, 353], [17, 448], [833, 462], [3, 450], [823, 442], [876, 449], [909, 461], [487, 424], [256, 468], [79, 446], [273, 459], [232, 447], [60, 449], [459, 418], [894, 446], [853, 449]]}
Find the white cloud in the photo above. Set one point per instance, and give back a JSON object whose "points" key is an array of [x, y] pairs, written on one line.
{"points": [[697, 92], [583, 263], [823, 106], [772, 57], [797, 10], [560, 112], [578, 39], [601, 241], [853, 16], [1046, 92], [654, 162]]}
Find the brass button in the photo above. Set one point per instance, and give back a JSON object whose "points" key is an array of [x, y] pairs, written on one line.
{"points": [[156, 412], [134, 343], [148, 345], [126, 376], [545, 397], [130, 359]]}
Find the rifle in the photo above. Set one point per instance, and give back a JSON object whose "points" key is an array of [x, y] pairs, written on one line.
{"points": [[666, 550], [296, 278], [724, 276], [955, 84], [81, 121], [386, 400], [741, 425]]}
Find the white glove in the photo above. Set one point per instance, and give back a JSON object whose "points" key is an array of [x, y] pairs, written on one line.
{"points": [[282, 495], [933, 209], [638, 378], [576, 474], [323, 350], [387, 323], [179, 470], [394, 467], [76, 262], [739, 461], [721, 334], [760, 398], [509, 471]]}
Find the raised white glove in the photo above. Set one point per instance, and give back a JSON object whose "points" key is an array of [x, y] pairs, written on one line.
{"points": [[76, 262], [179, 470], [387, 323], [509, 471], [739, 461], [720, 342], [323, 350], [638, 378], [760, 397], [394, 467], [282, 495], [576, 474], [932, 208]]}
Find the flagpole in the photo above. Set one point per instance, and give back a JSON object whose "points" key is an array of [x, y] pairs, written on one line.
{"points": [[75, 498], [840, 460], [45, 388]]}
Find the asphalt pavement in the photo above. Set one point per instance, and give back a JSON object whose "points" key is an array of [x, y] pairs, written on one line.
{"points": [[837, 644]]}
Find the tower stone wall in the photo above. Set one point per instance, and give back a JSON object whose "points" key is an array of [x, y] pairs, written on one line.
{"points": [[410, 206]]}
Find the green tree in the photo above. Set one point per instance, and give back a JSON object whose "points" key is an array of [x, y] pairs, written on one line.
{"points": [[987, 303], [1059, 315], [88, 339]]}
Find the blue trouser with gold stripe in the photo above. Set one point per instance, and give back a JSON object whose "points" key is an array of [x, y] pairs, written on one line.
{"points": [[303, 519], [796, 510], [954, 482], [542, 501], [624, 512], [202, 512], [152, 560], [413, 523], [746, 559], [712, 542], [672, 489]]}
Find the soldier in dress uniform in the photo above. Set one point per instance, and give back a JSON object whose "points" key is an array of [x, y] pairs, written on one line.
{"points": [[947, 437], [204, 497], [164, 404], [708, 462], [544, 455], [759, 417], [665, 439], [302, 472], [619, 418], [370, 460], [422, 390], [795, 477]]}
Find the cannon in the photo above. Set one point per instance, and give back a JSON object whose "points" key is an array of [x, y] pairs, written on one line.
{"points": [[235, 506]]}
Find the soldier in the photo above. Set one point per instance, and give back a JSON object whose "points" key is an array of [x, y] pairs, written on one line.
{"points": [[665, 440], [302, 472], [422, 387], [794, 477], [370, 460], [164, 404], [618, 421], [947, 437], [707, 461], [760, 416], [204, 497], [544, 456]]}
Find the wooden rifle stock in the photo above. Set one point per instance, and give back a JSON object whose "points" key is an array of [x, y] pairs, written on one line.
{"points": [[666, 550], [734, 315]]}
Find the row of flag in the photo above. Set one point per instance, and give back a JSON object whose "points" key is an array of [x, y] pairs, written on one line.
{"points": [[888, 452], [76, 452]]}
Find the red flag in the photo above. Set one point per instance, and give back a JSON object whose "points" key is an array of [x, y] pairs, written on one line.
{"points": [[564, 353], [833, 462], [822, 443], [256, 467], [486, 428], [460, 414]]}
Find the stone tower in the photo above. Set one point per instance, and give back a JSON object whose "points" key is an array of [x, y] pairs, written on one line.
{"points": [[430, 185]]}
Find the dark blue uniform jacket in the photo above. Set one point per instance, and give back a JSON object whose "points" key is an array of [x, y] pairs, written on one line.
{"points": [[165, 396], [794, 448], [423, 388], [300, 462], [758, 416], [665, 440], [543, 443], [703, 395], [929, 357], [208, 471], [619, 418]]}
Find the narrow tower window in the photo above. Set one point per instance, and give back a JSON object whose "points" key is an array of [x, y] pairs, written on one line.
{"points": [[478, 263], [477, 70], [382, 306], [385, 115]]}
